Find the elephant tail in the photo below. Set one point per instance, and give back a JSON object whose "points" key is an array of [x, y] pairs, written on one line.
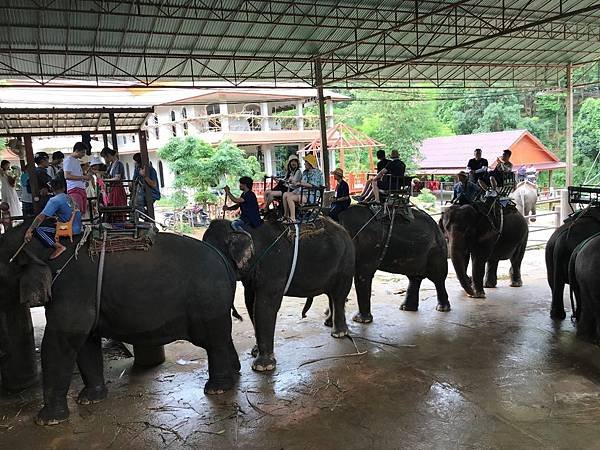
{"points": [[573, 286], [236, 314], [307, 305]]}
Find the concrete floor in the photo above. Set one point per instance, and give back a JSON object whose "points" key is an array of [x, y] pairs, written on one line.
{"points": [[493, 373]]}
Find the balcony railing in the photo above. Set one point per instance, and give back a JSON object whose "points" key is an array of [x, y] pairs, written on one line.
{"points": [[218, 123]]}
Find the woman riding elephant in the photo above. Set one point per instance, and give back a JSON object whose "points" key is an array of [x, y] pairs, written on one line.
{"points": [[559, 249], [484, 233], [180, 289], [416, 249], [265, 262]]}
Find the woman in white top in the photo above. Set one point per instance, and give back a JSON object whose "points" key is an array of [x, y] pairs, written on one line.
{"points": [[9, 194], [288, 183]]}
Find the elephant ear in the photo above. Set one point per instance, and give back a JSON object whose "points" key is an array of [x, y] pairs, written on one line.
{"points": [[241, 249], [35, 283]]}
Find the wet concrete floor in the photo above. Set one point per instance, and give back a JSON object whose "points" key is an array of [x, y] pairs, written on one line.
{"points": [[493, 373]]}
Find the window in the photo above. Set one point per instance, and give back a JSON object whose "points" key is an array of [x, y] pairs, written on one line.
{"points": [[185, 128], [161, 174], [133, 138], [184, 113], [172, 116], [212, 109], [128, 173], [124, 139], [156, 130], [147, 134], [174, 130]]}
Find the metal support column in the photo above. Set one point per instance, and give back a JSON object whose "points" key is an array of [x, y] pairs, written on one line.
{"points": [[35, 189], [146, 165], [113, 131], [569, 131], [105, 139], [322, 121]]}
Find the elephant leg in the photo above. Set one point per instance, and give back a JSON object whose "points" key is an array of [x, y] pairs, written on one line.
{"points": [[91, 367], [586, 323], [337, 306], [362, 284], [249, 295], [478, 273], [443, 304], [533, 212], [557, 310], [59, 351], [515, 267], [411, 299], [491, 274], [265, 315], [223, 362]]}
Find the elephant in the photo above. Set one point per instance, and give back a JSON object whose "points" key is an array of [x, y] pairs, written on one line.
{"points": [[416, 249], [263, 257], [181, 288], [485, 233], [559, 248], [583, 279], [525, 197]]}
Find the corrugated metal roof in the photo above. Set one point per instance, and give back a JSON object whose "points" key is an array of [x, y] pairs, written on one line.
{"points": [[361, 41]]}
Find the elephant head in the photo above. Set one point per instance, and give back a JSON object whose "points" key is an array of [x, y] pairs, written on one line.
{"points": [[237, 246], [26, 282], [458, 223]]}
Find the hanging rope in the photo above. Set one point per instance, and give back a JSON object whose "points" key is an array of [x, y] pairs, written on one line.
{"points": [[99, 279], [294, 259]]}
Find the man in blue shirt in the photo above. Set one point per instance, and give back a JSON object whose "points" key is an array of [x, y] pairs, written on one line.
{"points": [[465, 191], [145, 177], [61, 206], [248, 205], [342, 195]]}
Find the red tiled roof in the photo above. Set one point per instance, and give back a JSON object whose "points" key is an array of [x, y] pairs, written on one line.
{"points": [[453, 152]]}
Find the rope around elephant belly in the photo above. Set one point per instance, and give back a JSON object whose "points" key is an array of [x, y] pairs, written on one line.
{"points": [[388, 238], [99, 279]]}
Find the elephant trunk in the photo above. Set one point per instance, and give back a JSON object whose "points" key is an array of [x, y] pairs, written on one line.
{"points": [[18, 368], [458, 255]]}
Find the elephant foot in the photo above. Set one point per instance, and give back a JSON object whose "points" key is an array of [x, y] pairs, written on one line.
{"points": [[218, 387], [490, 284], [254, 351], [409, 307], [443, 307], [339, 333], [52, 416], [362, 318], [558, 314], [328, 322], [477, 294], [264, 363], [91, 395], [516, 283]]}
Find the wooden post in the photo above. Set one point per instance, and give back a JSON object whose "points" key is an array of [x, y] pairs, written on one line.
{"points": [[105, 139], [146, 164], [323, 122], [113, 131], [549, 179], [569, 131], [371, 162], [35, 189]]}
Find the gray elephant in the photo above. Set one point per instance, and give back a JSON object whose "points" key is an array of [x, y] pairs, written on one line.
{"points": [[264, 259], [181, 289], [486, 234], [416, 249], [525, 197], [585, 285]]}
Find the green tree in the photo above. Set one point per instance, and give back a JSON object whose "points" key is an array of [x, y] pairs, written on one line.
{"points": [[202, 168], [586, 133]]}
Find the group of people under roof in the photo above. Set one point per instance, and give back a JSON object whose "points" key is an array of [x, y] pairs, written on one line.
{"points": [[479, 176], [67, 184]]}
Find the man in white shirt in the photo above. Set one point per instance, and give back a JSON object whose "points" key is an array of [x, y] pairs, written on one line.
{"points": [[75, 177]]}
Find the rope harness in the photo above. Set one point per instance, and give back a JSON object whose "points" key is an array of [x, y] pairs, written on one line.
{"points": [[99, 279], [294, 259]]}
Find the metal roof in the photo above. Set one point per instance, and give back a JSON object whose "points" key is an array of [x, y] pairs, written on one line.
{"points": [[476, 43]]}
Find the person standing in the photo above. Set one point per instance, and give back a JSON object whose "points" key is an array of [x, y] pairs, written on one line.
{"points": [[75, 176], [115, 174], [144, 178], [55, 169], [26, 197], [9, 194], [341, 200], [477, 167]]}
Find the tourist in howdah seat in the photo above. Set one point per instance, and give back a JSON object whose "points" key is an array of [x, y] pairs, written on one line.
{"points": [[342, 195], [477, 167], [494, 177], [248, 205], [395, 169], [465, 191], [312, 177], [292, 177], [59, 207]]}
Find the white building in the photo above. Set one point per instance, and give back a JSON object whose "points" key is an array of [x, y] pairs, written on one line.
{"points": [[269, 123]]}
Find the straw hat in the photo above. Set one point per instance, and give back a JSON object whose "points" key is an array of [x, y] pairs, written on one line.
{"points": [[338, 172], [311, 159]]}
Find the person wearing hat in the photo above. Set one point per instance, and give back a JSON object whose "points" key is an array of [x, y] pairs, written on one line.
{"points": [[311, 177], [465, 191], [75, 176], [292, 177], [342, 195]]}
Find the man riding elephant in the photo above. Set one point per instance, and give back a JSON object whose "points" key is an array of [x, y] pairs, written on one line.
{"points": [[180, 289], [270, 266], [484, 233]]}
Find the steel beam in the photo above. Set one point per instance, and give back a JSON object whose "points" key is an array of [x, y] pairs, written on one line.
{"points": [[322, 121], [569, 130]]}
